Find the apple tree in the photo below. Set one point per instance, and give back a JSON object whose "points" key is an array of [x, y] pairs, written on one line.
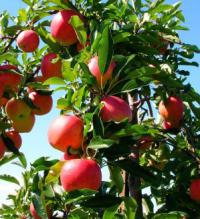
{"points": [[127, 106]]}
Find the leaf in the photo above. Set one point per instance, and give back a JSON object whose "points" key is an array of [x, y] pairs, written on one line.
{"points": [[99, 143], [9, 178], [116, 178], [22, 160], [109, 213], [38, 205], [171, 215], [105, 50], [79, 28], [67, 71], [131, 207], [54, 81], [7, 158], [103, 201]]}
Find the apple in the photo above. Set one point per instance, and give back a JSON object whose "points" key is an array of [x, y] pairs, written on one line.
{"points": [[195, 190], [68, 156], [95, 71], [15, 137], [49, 68], [162, 45], [24, 124], [2, 148], [33, 212], [20, 114], [9, 80], [61, 30], [42, 102], [115, 109], [28, 41], [3, 101], [80, 174], [145, 142], [171, 110], [66, 131]]}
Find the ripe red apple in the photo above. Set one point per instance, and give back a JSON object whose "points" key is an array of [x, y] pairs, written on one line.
{"points": [[195, 190], [33, 212], [80, 174], [42, 102], [145, 142], [28, 40], [172, 110], [15, 137], [50, 69], [65, 131], [95, 71], [61, 30], [115, 109], [2, 148], [3, 101], [9, 80]]}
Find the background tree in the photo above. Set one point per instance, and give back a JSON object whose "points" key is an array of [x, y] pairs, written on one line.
{"points": [[113, 60]]}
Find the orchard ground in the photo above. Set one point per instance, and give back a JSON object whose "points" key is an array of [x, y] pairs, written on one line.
{"points": [[35, 143]]}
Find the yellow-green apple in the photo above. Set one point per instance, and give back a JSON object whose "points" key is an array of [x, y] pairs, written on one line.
{"points": [[80, 174], [61, 30], [66, 131], [95, 71], [33, 212], [28, 40], [42, 102], [172, 110], [195, 190], [50, 68], [115, 109], [20, 114]]}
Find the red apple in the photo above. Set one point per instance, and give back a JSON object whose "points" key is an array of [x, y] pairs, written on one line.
{"points": [[61, 30], [3, 101], [15, 137], [50, 69], [145, 142], [172, 110], [115, 109], [28, 40], [33, 212], [65, 131], [195, 190], [68, 156], [95, 71], [9, 80], [2, 148], [80, 174], [42, 102]]}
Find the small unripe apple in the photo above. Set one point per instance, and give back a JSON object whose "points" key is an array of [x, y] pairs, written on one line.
{"points": [[49, 68], [66, 131], [42, 102], [172, 110], [33, 212], [15, 137], [95, 71], [28, 40], [115, 109], [80, 174], [195, 190], [61, 30]]}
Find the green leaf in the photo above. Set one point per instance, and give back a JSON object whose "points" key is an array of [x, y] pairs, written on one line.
{"points": [[38, 205], [131, 207], [105, 50], [54, 81], [109, 213], [99, 143], [79, 28], [67, 71], [22, 159], [9, 178], [22, 15], [116, 178], [171, 215], [7, 158]]}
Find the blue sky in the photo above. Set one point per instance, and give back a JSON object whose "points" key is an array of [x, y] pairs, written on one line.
{"points": [[35, 143]]}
